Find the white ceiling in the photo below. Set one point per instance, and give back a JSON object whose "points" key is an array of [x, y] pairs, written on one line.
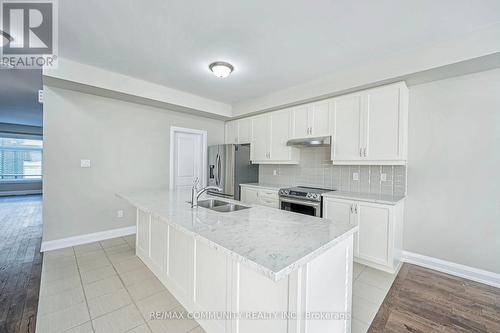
{"points": [[272, 44]]}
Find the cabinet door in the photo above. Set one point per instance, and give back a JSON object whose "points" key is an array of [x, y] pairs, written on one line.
{"points": [[249, 195], [341, 211], [158, 245], [321, 118], [280, 134], [347, 128], [244, 130], [260, 141], [269, 198], [301, 121], [231, 135], [374, 232], [143, 221], [338, 210], [383, 119]]}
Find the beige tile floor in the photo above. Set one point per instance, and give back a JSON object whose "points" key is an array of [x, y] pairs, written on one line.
{"points": [[104, 287]]}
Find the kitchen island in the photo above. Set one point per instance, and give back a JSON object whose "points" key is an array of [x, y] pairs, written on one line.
{"points": [[253, 270]]}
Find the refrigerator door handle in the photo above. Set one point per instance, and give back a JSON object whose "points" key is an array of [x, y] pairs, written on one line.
{"points": [[218, 170]]}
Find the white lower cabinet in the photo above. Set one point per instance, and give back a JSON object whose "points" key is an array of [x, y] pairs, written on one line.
{"points": [[259, 196], [208, 282], [378, 242]]}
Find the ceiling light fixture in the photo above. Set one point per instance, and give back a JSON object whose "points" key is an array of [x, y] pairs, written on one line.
{"points": [[6, 38], [221, 69]]}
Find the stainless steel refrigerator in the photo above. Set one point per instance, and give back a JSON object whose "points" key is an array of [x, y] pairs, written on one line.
{"points": [[228, 167]]}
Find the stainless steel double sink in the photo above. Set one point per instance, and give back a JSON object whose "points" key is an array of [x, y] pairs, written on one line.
{"points": [[220, 206]]}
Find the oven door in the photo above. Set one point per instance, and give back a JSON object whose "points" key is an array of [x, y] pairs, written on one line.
{"points": [[301, 206]]}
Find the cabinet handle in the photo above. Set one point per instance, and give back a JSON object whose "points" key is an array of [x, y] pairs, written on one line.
{"points": [[364, 151], [352, 205], [356, 209], [360, 152]]}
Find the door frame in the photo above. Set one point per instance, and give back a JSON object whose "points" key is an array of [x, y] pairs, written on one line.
{"points": [[175, 129]]}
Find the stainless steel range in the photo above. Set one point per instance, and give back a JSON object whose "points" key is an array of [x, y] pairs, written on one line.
{"points": [[301, 199]]}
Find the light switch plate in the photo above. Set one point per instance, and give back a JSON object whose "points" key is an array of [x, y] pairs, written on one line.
{"points": [[383, 177], [275, 172], [84, 163], [119, 214], [355, 176]]}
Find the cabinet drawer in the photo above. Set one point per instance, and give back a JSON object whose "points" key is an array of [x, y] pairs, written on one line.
{"points": [[268, 194], [274, 203]]}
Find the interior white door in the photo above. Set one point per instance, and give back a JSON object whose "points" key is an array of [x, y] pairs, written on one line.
{"points": [[347, 128], [188, 159]]}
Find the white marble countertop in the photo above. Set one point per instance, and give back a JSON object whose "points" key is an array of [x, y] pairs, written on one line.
{"points": [[272, 241], [376, 198], [274, 187]]}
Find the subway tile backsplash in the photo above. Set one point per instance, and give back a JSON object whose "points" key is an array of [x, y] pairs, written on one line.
{"points": [[316, 169]]}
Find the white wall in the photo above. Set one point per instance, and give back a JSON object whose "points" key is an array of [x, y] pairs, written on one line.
{"points": [[453, 205], [128, 145]]}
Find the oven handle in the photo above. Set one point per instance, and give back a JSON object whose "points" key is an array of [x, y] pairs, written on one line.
{"points": [[300, 202]]}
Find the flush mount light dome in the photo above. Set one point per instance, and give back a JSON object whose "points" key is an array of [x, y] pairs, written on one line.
{"points": [[6, 38], [221, 69]]}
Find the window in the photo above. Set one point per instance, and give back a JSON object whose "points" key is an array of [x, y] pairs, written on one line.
{"points": [[20, 159]]}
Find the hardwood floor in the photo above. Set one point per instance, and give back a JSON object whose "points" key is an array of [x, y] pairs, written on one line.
{"points": [[423, 300], [20, 262]]}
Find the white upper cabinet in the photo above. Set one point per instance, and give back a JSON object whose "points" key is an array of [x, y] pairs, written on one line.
{"points": [[231, 133], [386, 122], [371, 127], [311, 120], [239, 131], [244, 130], [260, 146], [270, 134], [347, 128], [301, 121], [280, 133], [320, 122]]}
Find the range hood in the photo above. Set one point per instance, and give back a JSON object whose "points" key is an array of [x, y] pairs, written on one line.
{"points": [[321, 141]]}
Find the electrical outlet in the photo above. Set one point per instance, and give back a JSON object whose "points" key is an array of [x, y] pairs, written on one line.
{"points": [[383, 177], [84, 163], [275, 172], [119, 214], [355, 176]]}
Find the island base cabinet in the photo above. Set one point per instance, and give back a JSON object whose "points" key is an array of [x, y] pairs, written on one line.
{"points": [[314, 298]]}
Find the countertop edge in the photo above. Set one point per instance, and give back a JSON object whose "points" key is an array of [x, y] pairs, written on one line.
{"points": [[364, 199], [264, 186]]}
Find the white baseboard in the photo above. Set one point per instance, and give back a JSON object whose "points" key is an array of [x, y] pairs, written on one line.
{"points": [[88, 238], [25, 192], [471, 273]]}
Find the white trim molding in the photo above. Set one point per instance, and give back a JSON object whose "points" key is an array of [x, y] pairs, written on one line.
{"points": [[467, 272], [87, 238]]}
